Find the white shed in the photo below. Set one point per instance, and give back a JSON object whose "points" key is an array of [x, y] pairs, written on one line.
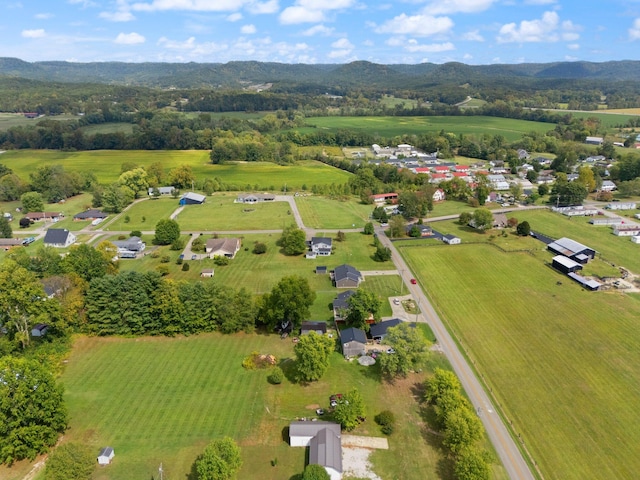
{"points": [[105, 456]]}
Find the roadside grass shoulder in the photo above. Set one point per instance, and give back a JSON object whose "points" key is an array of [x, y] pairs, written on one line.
{"points": [[561, 361]]}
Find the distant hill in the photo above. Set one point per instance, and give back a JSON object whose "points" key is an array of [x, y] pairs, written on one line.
{"points": [[329, 76]]}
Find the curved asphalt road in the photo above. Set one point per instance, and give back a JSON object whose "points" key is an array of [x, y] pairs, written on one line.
{"points": [[505, 446]]}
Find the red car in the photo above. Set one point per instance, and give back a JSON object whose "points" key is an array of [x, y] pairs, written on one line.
{"points": [[413, 281]]}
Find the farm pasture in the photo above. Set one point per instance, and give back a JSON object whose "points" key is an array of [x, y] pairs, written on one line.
{"points": [[561, 362]]}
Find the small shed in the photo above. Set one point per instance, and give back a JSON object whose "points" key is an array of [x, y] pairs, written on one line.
{"points": [[353, 342], [319, 327], [565, 264], [451, 239], [207, 273], [321, 270], [105, 456], [39, 330]]}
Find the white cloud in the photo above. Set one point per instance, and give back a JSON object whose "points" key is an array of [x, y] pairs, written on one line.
{"points": [[416, 25], [634, 31], [299, 14], [573, 46], [308, 11], [190, 5], [118, 16], [248, 29], [84, 3], [413, 46], [258, 8], [38, 33], [132, 38], [43, 16], [318, 30], [473, 36], [234, 17], [343, 43], [539, 30], [438, 7], [540, 2]]}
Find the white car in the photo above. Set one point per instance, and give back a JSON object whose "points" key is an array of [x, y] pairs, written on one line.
{"points": [[396, 301], [390, 350]]}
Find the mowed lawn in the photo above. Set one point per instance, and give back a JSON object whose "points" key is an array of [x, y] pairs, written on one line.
{"points": [[220, 213], [143, 215], [161, 400], [394, 126], [322, 212], [562, 362], [106, 165]]}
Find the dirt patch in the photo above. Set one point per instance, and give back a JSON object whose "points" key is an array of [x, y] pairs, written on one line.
{"points": [[313, 406]]}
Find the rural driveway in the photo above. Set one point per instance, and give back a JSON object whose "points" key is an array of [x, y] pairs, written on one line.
{"points": [[293, 207], [505, 446]]}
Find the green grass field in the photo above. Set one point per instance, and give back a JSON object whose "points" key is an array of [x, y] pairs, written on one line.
{"points": [[394, 126], [106, 164], [563, 363], [321, 212], [8, 120], [143, 215], [219, 212], [126, 128], [183, 392]]}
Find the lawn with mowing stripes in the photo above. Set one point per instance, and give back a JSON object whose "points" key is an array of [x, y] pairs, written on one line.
{"points": [[143, 215], [106, 165], [562, 362], [321, 212]]}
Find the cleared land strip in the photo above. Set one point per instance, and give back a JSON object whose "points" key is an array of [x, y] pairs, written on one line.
{"points": [[506, 448]]}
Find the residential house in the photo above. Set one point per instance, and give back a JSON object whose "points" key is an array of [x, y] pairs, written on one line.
{"points": [[439, 195], [422, 170], [545, 179], [621, 206], [324, 442], [45, 216], [499, 220], [451, 239], [425, 230], [7, 243], [91, 214], [346, 276], [321, 246], [608, 186], [523, 154], [353, 341], [635, 239], [130, 248], [163, 191], [462, 168], [437, 177], [606, 221], [595, 159], [378, 331], [383, 198], [191, 198], [59, 238], [255, 198], [572, 249], [626, 230], [222, 247], [207, 273], [441, 169], [340, 305], [106, 456], [319, 327]]}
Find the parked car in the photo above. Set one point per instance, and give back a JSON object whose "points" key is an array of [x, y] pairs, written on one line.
{"points": [[194, 256], [413, 281], [396, 301], [390, 350]]}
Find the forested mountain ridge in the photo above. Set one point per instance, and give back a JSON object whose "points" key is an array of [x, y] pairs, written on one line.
{"points": [[236, 74]]}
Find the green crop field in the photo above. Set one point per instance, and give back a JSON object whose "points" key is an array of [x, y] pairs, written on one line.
{"points": [[183, 392], [321, 212], [8, 120], [106, 164], [563, 363], [393, 126], [126, 128]]}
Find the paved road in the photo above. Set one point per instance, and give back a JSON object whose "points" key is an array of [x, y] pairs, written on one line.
{"points": [[505, 446]]}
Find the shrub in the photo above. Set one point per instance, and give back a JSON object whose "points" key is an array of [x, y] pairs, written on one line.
{"points": [[165, 259], [276, 376], [387, 429], [385, 417], [185, 267], [259, 248], [127, 219], [135, 233], [162, 270], [179, 261], [70, 461], [178, 244], [155, 254], [220, 260]]}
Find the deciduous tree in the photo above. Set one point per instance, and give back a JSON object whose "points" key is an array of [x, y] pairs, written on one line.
{"points": [[411, 351], [167, 231], [350, 410], [523, 229], [31, 408], [70, 461], [361, 306], [220, 460], [293, 240], [483, 218], [32, 202], [288, 302], [312, 356], [5, 228]]}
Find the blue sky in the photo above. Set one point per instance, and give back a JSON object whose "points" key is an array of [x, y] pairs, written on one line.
{"points": [[320, 31]]}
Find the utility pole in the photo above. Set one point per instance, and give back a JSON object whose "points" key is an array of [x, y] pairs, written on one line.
{"points": [[160, 471]]}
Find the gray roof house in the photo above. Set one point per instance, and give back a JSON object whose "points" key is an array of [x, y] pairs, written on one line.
{"points": [[324, 442], [353, 342], [379, 330], [162, 190], [222, 247], [341, 304], [321, 246], [255, 197], [91, 214], [130, 247], [572, 249], [59, 238], [191, 198], [309, 326], [346, 276]]}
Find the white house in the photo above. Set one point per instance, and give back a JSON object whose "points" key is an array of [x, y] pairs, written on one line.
{"points": [[324, 442], [626, 230], [608, 186], [621, 206], [59, 238], [321, 246], [162, 190], [105, 456], [222, 247], [439, 195], [635, 239], [451, 239]]}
